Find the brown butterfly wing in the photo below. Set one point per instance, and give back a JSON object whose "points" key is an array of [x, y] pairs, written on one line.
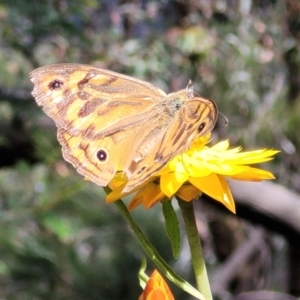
{"points": [[195, 118], [96, 110], [100, 158], [107, 120], [75, 95], [97, 160]]}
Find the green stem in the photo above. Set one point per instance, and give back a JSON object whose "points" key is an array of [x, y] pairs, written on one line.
{"points": [[199, 267], [154, 255]]}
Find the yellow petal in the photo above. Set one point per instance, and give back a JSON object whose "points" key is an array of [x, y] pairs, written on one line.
{"points": [[188, 192], [157, 196], [225, 169], [227, 198], [194, 166], [136, 201], [221, 146], [118, 180], [199, 171], [253, 174], [115, 195], [170, 183], [149, 195], [253, 157], [216, 187]]}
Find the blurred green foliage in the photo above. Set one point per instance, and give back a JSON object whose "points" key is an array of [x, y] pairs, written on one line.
{"points": [[58, 240]]}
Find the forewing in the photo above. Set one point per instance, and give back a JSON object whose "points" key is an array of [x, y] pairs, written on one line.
{"points": [[98, 113], [92, 102]]}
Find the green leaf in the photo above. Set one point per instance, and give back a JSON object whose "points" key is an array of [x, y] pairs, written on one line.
{"points": [[172, 227]]}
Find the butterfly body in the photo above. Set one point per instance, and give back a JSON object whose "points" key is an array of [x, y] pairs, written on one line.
{"points": [[108, 121]]}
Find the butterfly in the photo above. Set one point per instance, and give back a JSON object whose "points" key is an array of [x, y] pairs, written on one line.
{"points": [[109, 122]]}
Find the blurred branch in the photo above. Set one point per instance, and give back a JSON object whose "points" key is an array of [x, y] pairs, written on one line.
{"points": [[265, 203], [272, 205], [235, 262], [267, 295]]}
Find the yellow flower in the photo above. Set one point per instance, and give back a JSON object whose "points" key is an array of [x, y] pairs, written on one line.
{"points": [[200, 169], [156, 289]]}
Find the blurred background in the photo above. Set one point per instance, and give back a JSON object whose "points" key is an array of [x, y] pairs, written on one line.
{"points": [[58, 240]]}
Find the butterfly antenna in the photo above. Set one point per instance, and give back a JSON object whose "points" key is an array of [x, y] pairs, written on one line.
{"points": [[224, 117]]}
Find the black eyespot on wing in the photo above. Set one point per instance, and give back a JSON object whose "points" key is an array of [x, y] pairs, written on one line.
{"points": [[201, 127], [102, 155], [141, 170], [55, 84]]}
